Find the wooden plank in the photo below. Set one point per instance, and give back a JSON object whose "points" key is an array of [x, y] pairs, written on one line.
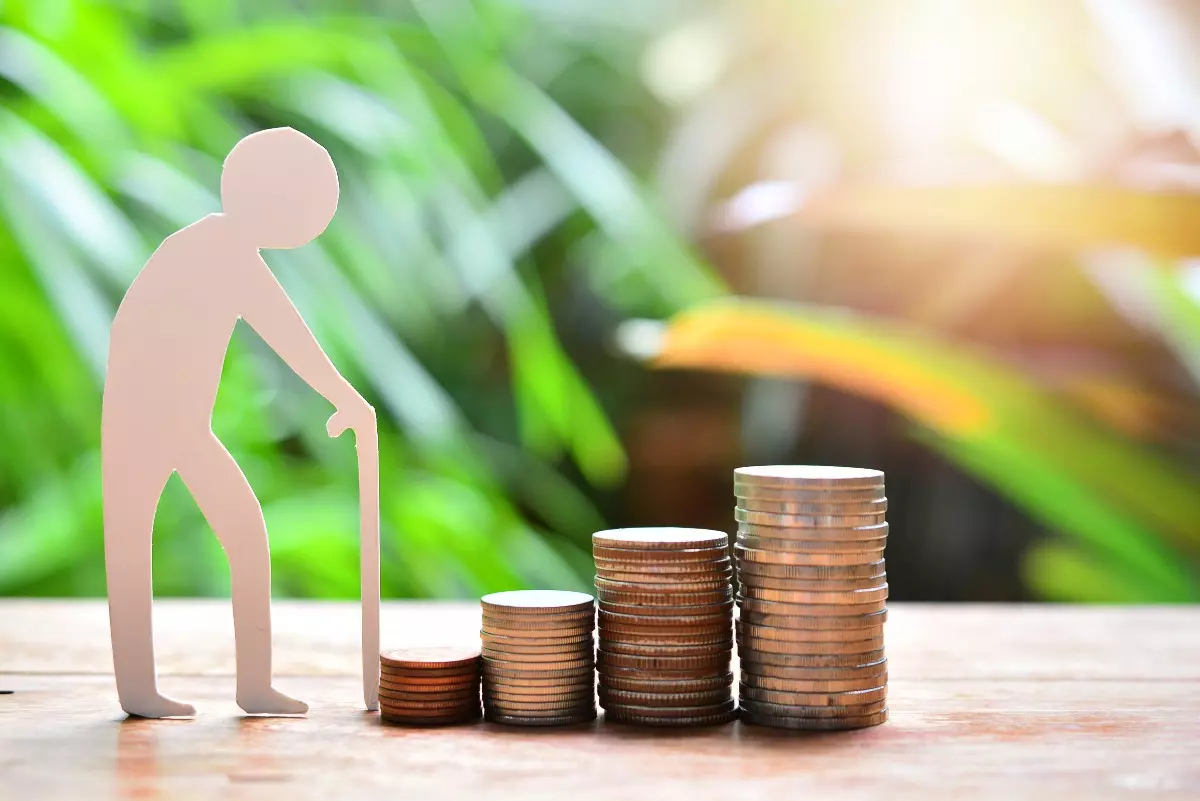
{"points": [[986, 702]]}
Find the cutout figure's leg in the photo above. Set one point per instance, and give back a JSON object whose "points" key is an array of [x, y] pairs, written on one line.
{"points": [[132, 487], [228, 503]]}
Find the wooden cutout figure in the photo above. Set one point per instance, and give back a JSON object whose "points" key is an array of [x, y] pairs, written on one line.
{"points": [[279, 189]]}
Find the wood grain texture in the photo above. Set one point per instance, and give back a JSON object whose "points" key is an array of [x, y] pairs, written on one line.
{"points": [[987, 702]]}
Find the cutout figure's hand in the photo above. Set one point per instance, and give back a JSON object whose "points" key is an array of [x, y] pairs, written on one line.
{"points": [[356, 414]]}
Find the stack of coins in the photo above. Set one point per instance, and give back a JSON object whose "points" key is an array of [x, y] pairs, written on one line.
{"points": [[812, 597], [429, 686], [539, 665], [666, 606]]}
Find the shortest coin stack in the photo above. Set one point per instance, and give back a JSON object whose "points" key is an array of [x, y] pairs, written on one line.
{"points": [[539, 666], [429, 686]]}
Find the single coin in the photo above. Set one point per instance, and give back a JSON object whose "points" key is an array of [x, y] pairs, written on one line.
{"points": [[710, 660], [750, 680], [538, 708], [750, 671], [669, 567], [665, 638], [810, 610], [748, 645], [639, 682], [792, 621], [447, 657], [536, 601], [685, 711], [758, 661], [836, 699], [405, 720], [796, 597], [811, 585], [548, 660], [670, 587], [811, 572], [749, 554], [878, 531], [805, 635], [613, 697], [430, 673], [684, 615], [453, 697], [542, 631], [537, 636], [507, 643], [660, 599], [545, 670], [499, 649], [441, 684], [525, 720], [622, 716], [806, 711], [744, 492], [807, 476], [690, 556], [808, 521], [639, 649], [872, 506], [817, 724], [799, 545], [662, 538]]}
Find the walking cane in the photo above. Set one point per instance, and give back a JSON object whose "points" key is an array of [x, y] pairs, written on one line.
{"points": [[366, 442]]}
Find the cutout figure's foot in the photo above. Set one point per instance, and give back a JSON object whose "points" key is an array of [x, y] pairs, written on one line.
{"points": [[157, 706], [270, 702]]}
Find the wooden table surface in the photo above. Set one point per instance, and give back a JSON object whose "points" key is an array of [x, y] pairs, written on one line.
{"points": [[999, 702]]}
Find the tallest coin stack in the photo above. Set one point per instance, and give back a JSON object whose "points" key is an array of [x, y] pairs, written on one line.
{"points": [[813, 595]]}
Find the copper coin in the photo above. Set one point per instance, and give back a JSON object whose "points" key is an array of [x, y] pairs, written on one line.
{"points": [[400, 711], [455, 696], [808, 521], [440, 685], [747, 645], [643, 649], [624, 717], [504, 642], [870, 506], [406, 720], [662, 538], [538, 708], [626, 698], [806, 635], [806, 711], [794, 597], [638, 682], [540, 630], [493, 682], [744, 492], [446, 657], [791, 621], [430, 673], [521, 648], [585, 716], [572, 696], [579, 686], [752, 660], [666, 637], [817, 724], [608, 609], [812, 686], [818, 572], [666, 587], [425, 707], [806, 585], [810, 610], [660, 599], [696, 556], [847, 698], [658, 674], [657, 712], [714, 659], [545, 670], [573, 655], [811, 673]]}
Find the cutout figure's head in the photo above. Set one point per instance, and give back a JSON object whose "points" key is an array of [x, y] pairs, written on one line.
{"points": [[279, 188]]}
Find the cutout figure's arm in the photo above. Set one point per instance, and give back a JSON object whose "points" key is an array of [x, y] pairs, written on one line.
{"points": [[270, 312]]}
